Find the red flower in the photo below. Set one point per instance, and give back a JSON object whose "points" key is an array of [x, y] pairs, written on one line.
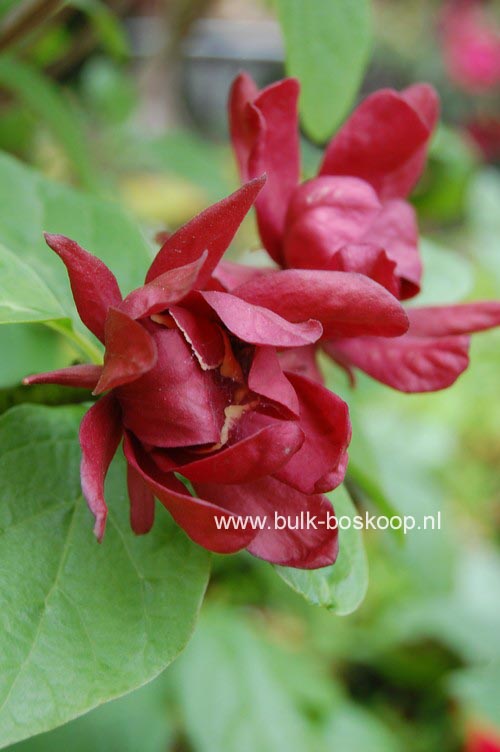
{"points": [[352, 218], [193, 384], [471, 46]]}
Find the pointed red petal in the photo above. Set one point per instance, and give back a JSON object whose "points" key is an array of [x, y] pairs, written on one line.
{"points": [[84, 376], [196, 516], [94, 286], [347, 304], [383, 141], [265, 133], [267, 379], [260, 326], [163, 291], [100, 433], [210, 231], [130, 351], [142, 502], [243, 92], [464, 318], [324, 418], [408, 363]]}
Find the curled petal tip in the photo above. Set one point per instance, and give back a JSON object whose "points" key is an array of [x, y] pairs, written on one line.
{"points": [[99, 527], [53, 237]]}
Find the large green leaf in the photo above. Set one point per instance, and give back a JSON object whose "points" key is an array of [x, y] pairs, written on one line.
{"points": [[30, 348], [137, 722], [327, 46], [341, 587], [80, 623], [24, 297], [31, 204]]}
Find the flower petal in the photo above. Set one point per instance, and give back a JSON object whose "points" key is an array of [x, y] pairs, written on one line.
{"points": [[265, 135], [142, 502], [94, 286], [203, 335], [210, 231], [306, 547], [334, 478], [260, 326], [425, 101], [465, 318], [243, 92], [230, 274], [395, 230], [100, 434], [323, 215], [176, 403], [267, 379], [302, 361], [324, 419], [408, 363], [369, 260], [196, 516], [163, 291], [130, 351], [252, 457], [347, 304], [84, 376], [383, 141]]}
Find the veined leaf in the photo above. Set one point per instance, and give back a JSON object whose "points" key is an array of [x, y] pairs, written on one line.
{"points": [[24, 297], [80, 623], [327, 46], [341, 587]]}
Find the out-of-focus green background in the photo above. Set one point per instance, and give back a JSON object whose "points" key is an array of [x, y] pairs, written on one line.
{"points": [[128, 99]]}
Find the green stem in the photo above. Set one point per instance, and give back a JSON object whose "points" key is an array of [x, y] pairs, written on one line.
{"points": [[82, 343]]}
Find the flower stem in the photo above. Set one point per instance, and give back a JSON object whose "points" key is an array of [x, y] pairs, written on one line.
{"points": [[86, 347]]}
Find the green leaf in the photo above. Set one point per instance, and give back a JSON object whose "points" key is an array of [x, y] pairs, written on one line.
{"points": [[24, 297], [135, 723], [32, 204], [369, 487], [31, 348], [80, 623], [327, 47], [341, 587], [231, 697], [46, 101]]}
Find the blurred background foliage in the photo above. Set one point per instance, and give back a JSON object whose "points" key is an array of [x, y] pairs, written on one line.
{"points": [[127, 99]]}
